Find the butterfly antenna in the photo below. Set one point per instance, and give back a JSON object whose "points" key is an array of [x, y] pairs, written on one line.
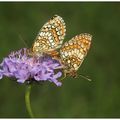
{"points": [[85, 77], [64, 75], [23, 41]]}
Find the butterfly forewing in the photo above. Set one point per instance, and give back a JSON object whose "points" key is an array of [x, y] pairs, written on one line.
{"points": [[50, 36], [73, 52]]}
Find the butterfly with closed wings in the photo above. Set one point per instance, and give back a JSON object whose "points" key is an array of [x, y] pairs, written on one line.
{"points": [[50, 39]]}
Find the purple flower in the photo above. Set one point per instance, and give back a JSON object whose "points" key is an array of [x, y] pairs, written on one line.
{"points": [[26, 68]]}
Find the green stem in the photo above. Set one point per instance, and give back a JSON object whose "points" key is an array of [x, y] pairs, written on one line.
{"points": [[27, 101]]}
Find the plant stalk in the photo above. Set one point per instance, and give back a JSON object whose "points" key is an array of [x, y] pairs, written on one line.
{"points": [[27, 100]]}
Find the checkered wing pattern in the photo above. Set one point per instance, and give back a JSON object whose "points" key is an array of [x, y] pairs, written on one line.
{"points": [[50, 36], [74, 51]]}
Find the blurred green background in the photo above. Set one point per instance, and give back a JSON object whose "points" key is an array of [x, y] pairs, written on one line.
{"points": [[77, 98]]}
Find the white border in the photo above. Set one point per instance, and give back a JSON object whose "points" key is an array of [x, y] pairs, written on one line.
{"points": [[60, 1]]}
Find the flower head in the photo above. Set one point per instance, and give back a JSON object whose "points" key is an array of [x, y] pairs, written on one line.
{"points": [[26, 68]]}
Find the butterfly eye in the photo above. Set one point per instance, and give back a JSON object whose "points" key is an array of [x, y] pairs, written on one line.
{"points": [[74, 51], [50, 36]]}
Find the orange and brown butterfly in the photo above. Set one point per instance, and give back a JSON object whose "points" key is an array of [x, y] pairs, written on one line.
{"points": [[74, 51], [50, 37]]}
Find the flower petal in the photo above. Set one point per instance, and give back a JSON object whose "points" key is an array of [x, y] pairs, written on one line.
{"points": [[24, 67]]}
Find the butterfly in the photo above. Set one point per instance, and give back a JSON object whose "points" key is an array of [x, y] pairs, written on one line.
{"points": [[50, 39], [74, 51]]}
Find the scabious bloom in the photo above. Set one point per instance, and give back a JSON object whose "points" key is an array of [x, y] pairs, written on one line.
{"points": [[27, 68]]}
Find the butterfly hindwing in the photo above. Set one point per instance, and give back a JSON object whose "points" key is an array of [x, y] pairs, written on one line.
{"points": [[73, 52], [50, 36]]}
